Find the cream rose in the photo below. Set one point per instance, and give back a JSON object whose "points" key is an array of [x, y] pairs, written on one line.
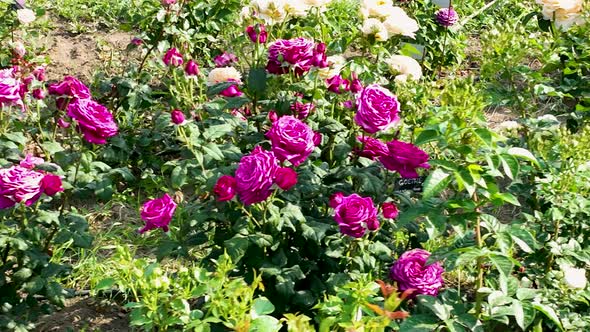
{"points": [[373, 26], [404, 68], [399, 23], [574, 278], [223, 74], [271, 11], [25, 16]]}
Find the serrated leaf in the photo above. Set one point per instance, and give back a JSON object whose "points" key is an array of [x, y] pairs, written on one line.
{"points": [[212, 150], [435, 183], [550, 313]]}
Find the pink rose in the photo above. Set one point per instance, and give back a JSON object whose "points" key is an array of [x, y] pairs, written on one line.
{"points": [[390, 210], [411, 272], [31, 161], [19, 184], [256, 175], [296, 53], [337, 84], [377, 109], [70, 86], [404, 158], [94, 120], [10, 89], [173, 58], [63, 123], [355, 214], [257, 34], [177, 117], [39, 94], [291, 139], [157, 213], [225, 188], [286, 178], [51, 184], [225, 59], [371, 147], [168, 2], [191, 68], [302, 110]]}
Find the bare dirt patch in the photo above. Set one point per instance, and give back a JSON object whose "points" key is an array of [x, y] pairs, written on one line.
{"points": [[81, 55], [86, 314]]}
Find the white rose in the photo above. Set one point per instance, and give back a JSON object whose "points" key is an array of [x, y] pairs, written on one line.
{"points": [[296, 8], [317, 3], [574, 278], [373, 26], [399, 23], [224, 74], [404, 68], [508, 125], [335, 65], [271, 11], [375, 8], [25, 16]]}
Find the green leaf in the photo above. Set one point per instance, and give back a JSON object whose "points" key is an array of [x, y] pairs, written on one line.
{"points": [[265, 324], [510, 165], [549, 312], [52, 147], [235, 102], [179, 176], [526, 294], [506, 197], [16, 137], [426, 136], [218, 88], [212, 150], [419, 323], [105, 284], [441, 310], [504, 266], [524, 154], [435, 183], [257, 81], [236, 247], [485, 135], [518, 314], [23, 274], [261, 306]]}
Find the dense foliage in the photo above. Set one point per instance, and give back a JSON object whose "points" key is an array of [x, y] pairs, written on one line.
{"points": [[304, 166]]}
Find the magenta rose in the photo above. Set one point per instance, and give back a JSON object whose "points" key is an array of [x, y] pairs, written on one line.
{"points": [[94, 120], [166, 3], [10, 89], [19, 184], [255, 176], [231, 91], [302, 110], [51, 184], [297, 53], [225, 59], [257, 34], [286, 178], [39, 94], [70, 86], [371, 147], [39, 73], [177, 117], [390, 210], [173, 58], [377, 109], [31, 161], [191, 68], [355, 214], [337, 84], [225, 188], [446, 17], [157, 213], [404, 158], [291, 139], [411, 272]]}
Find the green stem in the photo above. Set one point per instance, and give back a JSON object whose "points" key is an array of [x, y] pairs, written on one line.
{"points": [[480, 261]]}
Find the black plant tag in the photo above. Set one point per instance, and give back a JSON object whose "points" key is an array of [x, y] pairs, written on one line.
{"points": [[414, 184], [19, 4]]}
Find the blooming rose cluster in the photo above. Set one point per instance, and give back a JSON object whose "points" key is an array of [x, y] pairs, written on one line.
{"points": [[258, 172], [411, 272], [564, 13], [254, 178], [383, 20], [94, 121], [23, 184], [276, 11], [300, 54], [157, 213]]}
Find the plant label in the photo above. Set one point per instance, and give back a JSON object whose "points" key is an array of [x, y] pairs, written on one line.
{"points": [[442, 3], [414, 184]]}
